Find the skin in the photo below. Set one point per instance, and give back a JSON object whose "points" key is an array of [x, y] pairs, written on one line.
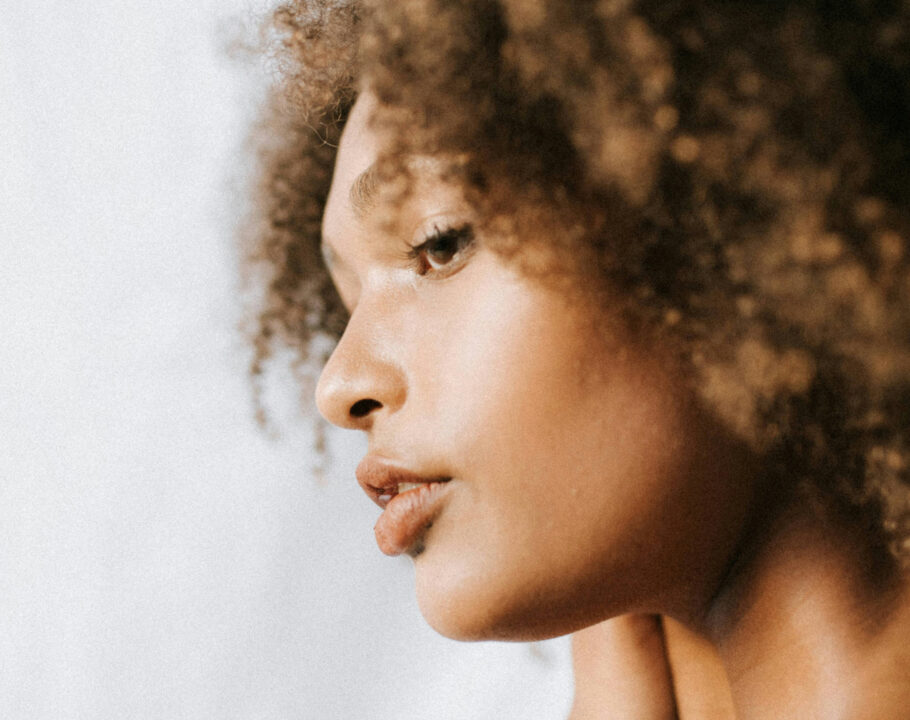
{"points": [[622, 671], [580, 462], [814, 623], [646, 667], [587, 481]]}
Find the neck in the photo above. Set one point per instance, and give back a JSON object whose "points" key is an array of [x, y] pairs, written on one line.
{"points": [[814, 624], [648, 667]]}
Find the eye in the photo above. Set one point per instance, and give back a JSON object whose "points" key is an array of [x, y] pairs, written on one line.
{"points": [[443, 249]]}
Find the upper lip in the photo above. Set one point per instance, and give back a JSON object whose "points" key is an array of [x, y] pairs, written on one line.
{"points": [[380, 477]]}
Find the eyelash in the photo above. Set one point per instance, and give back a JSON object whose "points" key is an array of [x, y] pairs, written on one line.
{"points": [[454, 241]]}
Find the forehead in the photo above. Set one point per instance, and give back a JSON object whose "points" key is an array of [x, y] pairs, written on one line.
{"points": [[361, 196]]}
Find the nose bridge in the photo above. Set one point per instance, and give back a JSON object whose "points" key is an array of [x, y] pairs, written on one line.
{"points": [[364, 375]]}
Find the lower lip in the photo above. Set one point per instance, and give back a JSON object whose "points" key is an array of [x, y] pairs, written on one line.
{"points": [[402, 524]]}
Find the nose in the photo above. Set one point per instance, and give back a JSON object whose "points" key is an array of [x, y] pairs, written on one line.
{"points": [[362, 378]]}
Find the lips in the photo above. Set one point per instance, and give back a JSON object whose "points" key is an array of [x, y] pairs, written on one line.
{"points": [[410, 503]]}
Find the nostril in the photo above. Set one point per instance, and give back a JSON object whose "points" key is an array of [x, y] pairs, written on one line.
{"points": [[362, 408]]}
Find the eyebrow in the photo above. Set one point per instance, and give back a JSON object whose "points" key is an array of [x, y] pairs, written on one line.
{"points": [[364, 191], [362, 195]]}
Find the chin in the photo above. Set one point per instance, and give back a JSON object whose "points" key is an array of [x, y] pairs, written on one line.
{"points": [[469, 625], [485, 606]]}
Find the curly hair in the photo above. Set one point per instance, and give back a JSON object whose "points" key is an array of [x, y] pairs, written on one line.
{"points": [[737, 171]]}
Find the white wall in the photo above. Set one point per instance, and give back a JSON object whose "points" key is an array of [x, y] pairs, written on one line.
{"points": [[160, 557]]}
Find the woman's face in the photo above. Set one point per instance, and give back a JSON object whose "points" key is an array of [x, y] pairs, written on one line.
{"points": [[580, 479]]}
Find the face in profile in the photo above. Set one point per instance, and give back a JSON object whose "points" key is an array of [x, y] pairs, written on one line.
{"points": [[543, 473]]}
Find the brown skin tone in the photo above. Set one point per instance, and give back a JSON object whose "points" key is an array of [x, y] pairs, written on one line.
{"points": [[587, 481], [814, 624], [621, 670], [647, 667], [700, 681], [579, 458]]}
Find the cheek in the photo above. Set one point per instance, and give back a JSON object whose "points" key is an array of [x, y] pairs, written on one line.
{"points": [[503, 364], [563, 450], [523, 387]]}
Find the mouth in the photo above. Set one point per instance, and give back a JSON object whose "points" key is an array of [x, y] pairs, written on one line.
{"points": [[382, 481], [410, 503], [403, 487]]}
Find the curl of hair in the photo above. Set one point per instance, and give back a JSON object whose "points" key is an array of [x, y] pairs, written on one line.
{"points": [[738, 171]]}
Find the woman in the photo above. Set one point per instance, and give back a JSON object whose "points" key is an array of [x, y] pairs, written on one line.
{"points": [[622, 300]]}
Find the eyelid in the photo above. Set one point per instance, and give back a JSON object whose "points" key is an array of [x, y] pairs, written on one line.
{"points": [[462, 231], [430, 226]]}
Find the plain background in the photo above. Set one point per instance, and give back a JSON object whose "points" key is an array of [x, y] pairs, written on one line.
{"points": [[160, 556]]}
